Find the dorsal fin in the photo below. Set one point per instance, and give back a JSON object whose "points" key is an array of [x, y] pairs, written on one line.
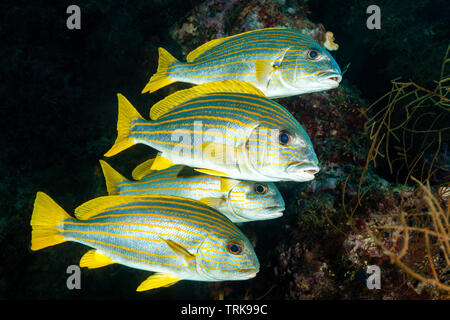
{"points": [[95, 206], [145, 169], [162, 107], [194, 54]]}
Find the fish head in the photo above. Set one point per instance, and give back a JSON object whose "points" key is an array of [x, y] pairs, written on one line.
{"points": [[283, 154], [250, 201], [309, 68], [227, 257]]}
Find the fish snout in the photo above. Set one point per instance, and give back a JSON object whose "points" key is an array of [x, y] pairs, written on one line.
{"points": [[332, 80], [336, 78], [303, 171], [274, 211]]}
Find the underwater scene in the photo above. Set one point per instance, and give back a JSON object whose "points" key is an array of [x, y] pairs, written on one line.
{"points": [[225, 150]]}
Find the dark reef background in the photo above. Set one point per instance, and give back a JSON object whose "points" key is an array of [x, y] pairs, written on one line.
{"points": [[59, 112]]}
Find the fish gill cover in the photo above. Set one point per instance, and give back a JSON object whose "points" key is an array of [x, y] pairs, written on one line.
{"points": [[380, 198]]}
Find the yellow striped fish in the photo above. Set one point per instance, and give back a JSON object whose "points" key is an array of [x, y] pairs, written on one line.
{"points": [[278, 61], [240, 201], [177, 238], [226, 128]]}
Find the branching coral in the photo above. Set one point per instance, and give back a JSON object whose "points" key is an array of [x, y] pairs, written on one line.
{"points": [[416, 234], [422, 225], [401, 125]]}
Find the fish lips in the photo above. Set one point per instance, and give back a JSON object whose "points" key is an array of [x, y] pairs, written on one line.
{"points": [[331, 80], [303, 171], [248, 273], [274, 212]]}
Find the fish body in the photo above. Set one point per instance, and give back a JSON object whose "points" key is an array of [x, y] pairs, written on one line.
{"points": [[177, 238], [240, 201], [280, 62], [229, 133]]}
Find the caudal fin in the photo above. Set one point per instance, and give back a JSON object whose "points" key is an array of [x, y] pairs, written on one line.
{"points": [[160, 78], [127, 114], [47, 215], [112, 178]]}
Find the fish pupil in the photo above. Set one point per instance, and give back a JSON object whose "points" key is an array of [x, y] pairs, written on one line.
{"points": [[285, 138], [235, 248], [313, 54], [260, 189]]}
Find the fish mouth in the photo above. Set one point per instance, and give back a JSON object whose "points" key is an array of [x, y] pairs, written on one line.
{"points": [[249, 273], [333, 80], [303, 171], [275, 211]]}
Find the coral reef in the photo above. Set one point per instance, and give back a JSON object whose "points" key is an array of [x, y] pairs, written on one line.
{"points": [[220, 18], [326, 247], [60, 110]]}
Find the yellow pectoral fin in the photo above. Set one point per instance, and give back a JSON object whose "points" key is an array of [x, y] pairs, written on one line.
{"points": [[158, 280], [264, 72], [226, 184], [212, 202], [218, 152], [92, 259], [179, 250]]}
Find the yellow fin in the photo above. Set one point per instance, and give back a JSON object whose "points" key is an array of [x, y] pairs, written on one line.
{"points": [[194, 54], [179, 250], [158, 280], [212, 202], [212, 172], [127, 114], [160, 78], [46, 216], [92, 259], [161, 163], [170, 102], [226, 184], [143, 169], [95, 206], [112, 178], [218, 151], [264, 72]]}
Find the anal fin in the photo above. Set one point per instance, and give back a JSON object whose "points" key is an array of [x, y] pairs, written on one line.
{"points": [[92, 259], [158, 280]]}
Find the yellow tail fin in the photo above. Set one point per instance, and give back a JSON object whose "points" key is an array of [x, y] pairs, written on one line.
{"points": [[160, 78], [127, 113], [112, 178], [47, 215]]}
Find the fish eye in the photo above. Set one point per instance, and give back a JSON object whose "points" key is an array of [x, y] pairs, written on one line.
{"points": [[260, 189], [234, 248], [285, 138], [313, 54]]}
